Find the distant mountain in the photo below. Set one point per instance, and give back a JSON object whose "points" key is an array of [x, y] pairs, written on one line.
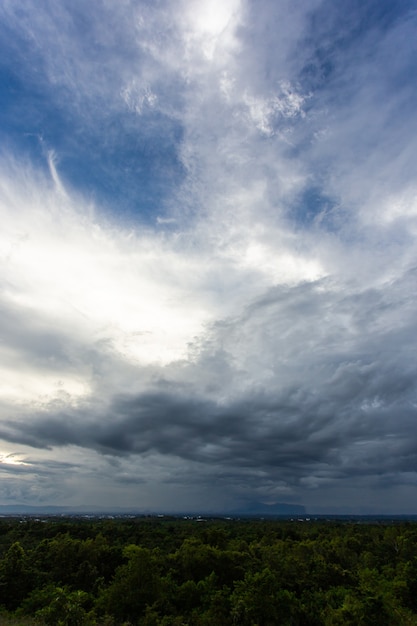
{"points": [[273, 510], [255, 509], [21, 509]]}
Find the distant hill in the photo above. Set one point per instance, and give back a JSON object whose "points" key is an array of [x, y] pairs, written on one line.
{"points": [[254, 509], [273, 510], [21, 509]]}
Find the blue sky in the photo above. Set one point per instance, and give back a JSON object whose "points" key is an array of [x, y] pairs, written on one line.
{"points": [[208, 254]]}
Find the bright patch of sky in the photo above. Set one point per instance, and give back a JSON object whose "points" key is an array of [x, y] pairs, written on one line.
{"points": [[208, 254]]}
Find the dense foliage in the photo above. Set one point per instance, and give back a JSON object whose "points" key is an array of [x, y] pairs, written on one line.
{"points": [[168, 572]]}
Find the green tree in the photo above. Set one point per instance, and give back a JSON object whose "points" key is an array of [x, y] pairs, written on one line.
{"points": [[63, 607], [259, 601], [16, 578], [135, 586]]}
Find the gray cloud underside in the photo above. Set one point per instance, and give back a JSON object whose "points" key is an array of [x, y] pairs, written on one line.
{"points": [[325, 385]]}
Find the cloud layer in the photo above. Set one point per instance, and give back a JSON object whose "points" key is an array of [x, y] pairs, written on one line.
{"points": [[208, 255]]}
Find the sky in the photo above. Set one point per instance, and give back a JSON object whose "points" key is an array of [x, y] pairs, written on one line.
{"points": [[208, 254]]}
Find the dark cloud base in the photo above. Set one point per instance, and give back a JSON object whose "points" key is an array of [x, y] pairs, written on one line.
{"points": [[343, 406]]}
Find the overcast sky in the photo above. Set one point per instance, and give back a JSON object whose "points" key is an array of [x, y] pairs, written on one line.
{"points": [[208, 254]]}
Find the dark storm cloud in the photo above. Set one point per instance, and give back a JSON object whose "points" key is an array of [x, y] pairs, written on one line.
{"points": [[343, 405], [8, 465]]}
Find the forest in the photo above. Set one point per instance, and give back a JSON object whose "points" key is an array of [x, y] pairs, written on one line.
{"points": [[153, 571]]}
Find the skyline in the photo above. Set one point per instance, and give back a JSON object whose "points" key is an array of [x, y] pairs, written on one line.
{"points": [[208, 254]]}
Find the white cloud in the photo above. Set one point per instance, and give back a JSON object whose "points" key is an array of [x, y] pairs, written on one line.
{"points": [[267, 114], [208, 27], [138, 98], [66, 273]]}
